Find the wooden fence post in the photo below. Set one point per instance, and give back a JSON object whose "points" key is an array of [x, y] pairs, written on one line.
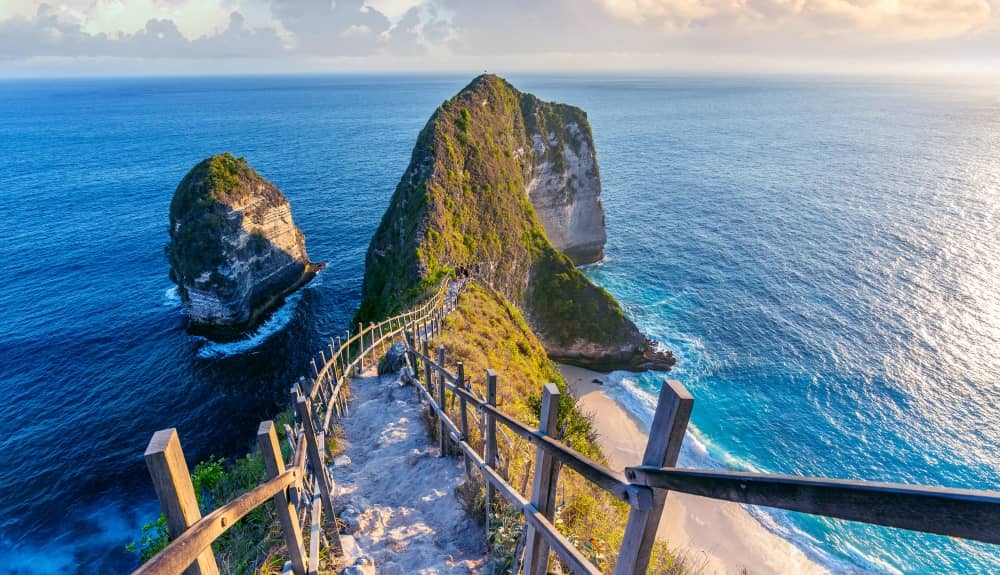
{"points": [[320, 471], [267, 440], [427, 369], [491, 438], [361, 346], [463, 407], [415, 345], [340, 356], [543, 489], [172, 481], [442, 430], [673, 410]]}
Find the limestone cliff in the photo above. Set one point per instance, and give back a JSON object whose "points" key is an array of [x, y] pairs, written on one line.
{"points": [[495, 174], [234, 250], [564, 184]]}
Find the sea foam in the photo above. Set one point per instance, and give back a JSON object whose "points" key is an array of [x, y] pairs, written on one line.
{"points": [[278, 321]]}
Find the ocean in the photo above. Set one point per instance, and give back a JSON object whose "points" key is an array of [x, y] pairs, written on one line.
{"points": [[820, 253]]}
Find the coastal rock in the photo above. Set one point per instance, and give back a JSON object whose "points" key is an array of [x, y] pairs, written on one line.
{"points": [[564, 183], [499, 184], [234, 251], [393, 360]]}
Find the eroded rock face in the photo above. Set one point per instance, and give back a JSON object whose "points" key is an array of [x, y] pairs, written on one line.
{"points": [[564, 184], [234, 251]]}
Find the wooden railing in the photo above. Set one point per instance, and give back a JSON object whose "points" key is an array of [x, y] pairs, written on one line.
{"points": [[306, 486], [954, 512], [348, 356]]}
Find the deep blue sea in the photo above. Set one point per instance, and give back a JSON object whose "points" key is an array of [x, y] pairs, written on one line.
{"points": [[820, 253]]}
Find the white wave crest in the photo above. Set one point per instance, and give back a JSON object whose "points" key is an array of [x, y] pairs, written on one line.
{"points": [[171, 297], [278, 321]]}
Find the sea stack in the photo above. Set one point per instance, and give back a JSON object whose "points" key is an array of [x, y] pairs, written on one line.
{"points": [[506, 186], [234, 251]]}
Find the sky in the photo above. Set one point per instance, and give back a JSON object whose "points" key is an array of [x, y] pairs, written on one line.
{"points": [[167, 37]]}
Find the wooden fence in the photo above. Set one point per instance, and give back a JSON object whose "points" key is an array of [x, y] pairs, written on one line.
{"points": [[307, 487], [304, 488], [960, 513]]}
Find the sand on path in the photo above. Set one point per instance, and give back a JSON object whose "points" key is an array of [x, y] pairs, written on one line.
{"points": [[398, 496]]}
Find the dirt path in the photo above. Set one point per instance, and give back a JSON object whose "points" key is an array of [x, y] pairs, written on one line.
{"points": [[399, 496]]}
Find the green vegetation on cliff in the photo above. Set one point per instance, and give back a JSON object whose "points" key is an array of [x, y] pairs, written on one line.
{"points": [[462, 203], [200, 202]]}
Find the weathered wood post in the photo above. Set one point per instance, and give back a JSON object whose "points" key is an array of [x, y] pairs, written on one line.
{"points": [[442, 430], [267, 440], [347, 338], [673, 410], [415, 345], [320, 471], [319, 379], [463, 407], [172, 481], [491, 438], [340, 355], [361, 346], [427, 369], [543, 488]]}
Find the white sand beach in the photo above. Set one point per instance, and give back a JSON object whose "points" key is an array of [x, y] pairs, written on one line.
{"points": [[719, 535]]}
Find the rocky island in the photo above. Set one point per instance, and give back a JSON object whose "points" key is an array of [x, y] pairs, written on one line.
{"points": [[506, 185], [234, 250]]}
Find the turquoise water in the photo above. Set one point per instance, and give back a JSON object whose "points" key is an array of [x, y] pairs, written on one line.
{"points": [[820, 254]]}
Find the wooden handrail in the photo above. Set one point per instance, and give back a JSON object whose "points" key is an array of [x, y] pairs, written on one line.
{"points": [[556, 540], [182, 551], [611, 481], [964, 513], [961, 513], [421, 312], [198, 535]]}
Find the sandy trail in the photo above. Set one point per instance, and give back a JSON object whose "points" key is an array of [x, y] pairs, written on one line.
{"points": [[398, 495]]}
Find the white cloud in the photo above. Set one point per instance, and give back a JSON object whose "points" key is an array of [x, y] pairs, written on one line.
{"points": [[193, 18], [889, 19], [529, 34]]}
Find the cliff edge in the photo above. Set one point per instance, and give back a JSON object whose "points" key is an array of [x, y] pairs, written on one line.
{"points": [[234, 250], [503, 183]]}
